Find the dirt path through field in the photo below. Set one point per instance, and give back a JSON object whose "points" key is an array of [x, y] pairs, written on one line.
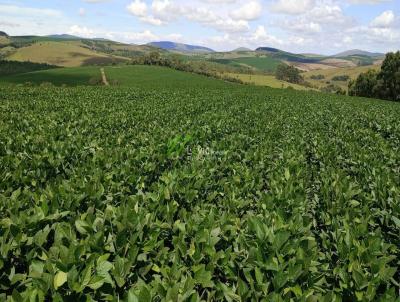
{"points": [[104, 78]]}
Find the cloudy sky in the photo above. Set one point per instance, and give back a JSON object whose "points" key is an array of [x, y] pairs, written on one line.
{"points": [[317, 26]]}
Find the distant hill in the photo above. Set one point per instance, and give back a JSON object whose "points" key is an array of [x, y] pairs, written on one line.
{"points": [[358, 52], [269, 49], [4, 41], [179, 47], [240, 49], [64, 37], [68, 50], [287, 56]]}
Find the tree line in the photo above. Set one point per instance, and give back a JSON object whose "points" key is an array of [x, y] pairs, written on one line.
{"points": [[384, 84], [202, 67], [15, 67]]}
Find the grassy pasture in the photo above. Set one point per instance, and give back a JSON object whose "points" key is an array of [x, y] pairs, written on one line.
{"points": [[352, 72], [68, 54], [265, 80], [267, 64]]}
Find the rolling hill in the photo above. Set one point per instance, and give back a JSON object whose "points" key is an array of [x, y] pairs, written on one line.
{"points": [[358, 52], [179, 47], [241, 49], [64, 37], [62, 54], [327, 75], [71, 51], [67, 50]]}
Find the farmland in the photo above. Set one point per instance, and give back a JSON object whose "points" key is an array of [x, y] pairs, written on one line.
{"points": [[265, 80], [58, 53], [200, 191], [265, 64], [145, 77], [329, 74]]}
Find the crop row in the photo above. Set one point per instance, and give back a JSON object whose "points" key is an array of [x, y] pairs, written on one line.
{"points": [[239, 194]]}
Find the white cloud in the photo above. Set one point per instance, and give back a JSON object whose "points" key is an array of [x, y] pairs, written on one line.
{"points": [[81, 31], [386, 19], [328, 14], [301, 25], [137, 37], [151, 20], [141, 37], [292, 7], [137, 8], [163, 12], [347, 40], [23, 20], [95, 1], [82, 12], [249, 11], [368, 1], [261, 38], [28, 11]]}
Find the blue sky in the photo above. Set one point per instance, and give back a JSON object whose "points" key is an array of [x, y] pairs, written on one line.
{"points": [[315, 26]]}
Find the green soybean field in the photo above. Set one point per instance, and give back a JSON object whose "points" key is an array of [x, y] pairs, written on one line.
{"points": [[208, 192]]}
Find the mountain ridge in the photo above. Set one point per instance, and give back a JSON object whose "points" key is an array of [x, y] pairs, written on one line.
{"points": [[359, 52], [180, 47]]}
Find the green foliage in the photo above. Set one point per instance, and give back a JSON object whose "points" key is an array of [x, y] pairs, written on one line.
{"points": [[389, 77], [14, 67], [58, 76], [331, 88], [210, 192], [365, 85], [341, 78], [384, 85], [288, 73], [317, 77]]}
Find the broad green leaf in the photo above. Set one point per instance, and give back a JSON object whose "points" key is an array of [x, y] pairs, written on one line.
{"points": [[59, 279]]}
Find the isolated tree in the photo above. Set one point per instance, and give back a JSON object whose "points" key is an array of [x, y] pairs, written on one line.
{"points": [[365, 85], [389, 77], [153, 58], [288, 73]]}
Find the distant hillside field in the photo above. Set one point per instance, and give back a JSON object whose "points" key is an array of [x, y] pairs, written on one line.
{"points": [[265, 80], [352, 72], [266, 64], [69, 51], [126, 76], [75, 76], [59, 53], [179, 47], [16, 67]]}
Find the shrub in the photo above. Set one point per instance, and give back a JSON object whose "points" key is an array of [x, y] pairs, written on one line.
{"points": [[341, 78], [333, 89], [288, 73], [46, 85], [95, 81], [317, 77], [365, 85]]}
